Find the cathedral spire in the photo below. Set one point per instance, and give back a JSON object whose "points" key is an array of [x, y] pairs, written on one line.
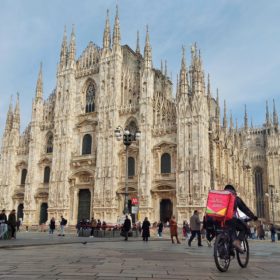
{"points": [[177, 86], [267, 116], [225, 116], [107, 34], [116, 32], [208, 86], [138, 44], [245, 119], [64, 50], [161, 66], [72, 46], [16, 116], [275, 115], [183, 85], [231, 122], [148, 51], [9, 120], [39, 86], [218, 109], [165, 68], [197, 73]]}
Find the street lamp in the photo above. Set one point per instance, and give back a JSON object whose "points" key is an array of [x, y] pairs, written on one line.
{"points": [[128, 137], [271, 195]]}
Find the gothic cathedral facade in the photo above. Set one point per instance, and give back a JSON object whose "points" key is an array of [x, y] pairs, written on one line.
{"points": [[68, 162]]}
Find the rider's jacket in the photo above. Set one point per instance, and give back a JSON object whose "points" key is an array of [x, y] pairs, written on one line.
{"points": [[240, 204]]}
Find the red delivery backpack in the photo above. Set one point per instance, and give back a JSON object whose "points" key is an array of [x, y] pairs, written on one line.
{"points": [[220, 205]]}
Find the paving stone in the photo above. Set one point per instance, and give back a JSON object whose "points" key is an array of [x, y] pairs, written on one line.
{"points": [[113, 260]]}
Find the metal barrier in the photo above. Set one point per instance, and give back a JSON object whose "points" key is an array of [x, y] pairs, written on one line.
{"points": [[86, 232]]}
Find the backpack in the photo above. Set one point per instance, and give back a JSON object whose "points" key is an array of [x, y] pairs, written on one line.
{"points": [[220, 205], [65, 222]]}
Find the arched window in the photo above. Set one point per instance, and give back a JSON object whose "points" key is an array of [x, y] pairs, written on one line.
{"points": [[165, 163], [259, 192], [86, 149], [47, 173], [49, 144], [131, 167], [90, 98], [23, 176]]}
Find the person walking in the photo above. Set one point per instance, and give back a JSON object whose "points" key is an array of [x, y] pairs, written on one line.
{"points": [[209, 227], [160, 228], [195, 228], [174, 229], [146, 229], [273, 232], [52, 226], [12, 222], [126, 227], [93, 227], [3, 223], [18, 224], [63, 223], [184, 230], [261, 232]]}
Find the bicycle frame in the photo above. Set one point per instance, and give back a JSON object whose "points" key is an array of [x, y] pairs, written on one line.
{"points": [[224, 250]]}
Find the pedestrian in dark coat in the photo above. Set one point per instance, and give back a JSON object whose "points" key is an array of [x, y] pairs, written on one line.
{"points": [[261, 233], [126, 227], [12, 222], [160, 228], [3, 223], [3, 217], [273, 232], [52, 225], [146, 229]]}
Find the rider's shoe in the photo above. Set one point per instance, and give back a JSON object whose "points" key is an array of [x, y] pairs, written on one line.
{"points": [[209, 243], [237, 245]]}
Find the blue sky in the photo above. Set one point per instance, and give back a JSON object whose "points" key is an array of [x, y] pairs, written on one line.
{"points": [[239, 42]]}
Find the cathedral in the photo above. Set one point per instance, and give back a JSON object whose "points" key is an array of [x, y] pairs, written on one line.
{"points": [[68, 160]]}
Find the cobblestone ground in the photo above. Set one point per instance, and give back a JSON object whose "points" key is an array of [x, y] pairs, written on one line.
{"points": [[135, 259]]}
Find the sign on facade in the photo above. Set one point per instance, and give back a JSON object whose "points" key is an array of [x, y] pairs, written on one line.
{"points": [[134, 209], [134, 201]]}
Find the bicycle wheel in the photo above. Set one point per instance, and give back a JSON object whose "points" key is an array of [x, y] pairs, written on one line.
{"points": [[221, 253], [243, 258]]}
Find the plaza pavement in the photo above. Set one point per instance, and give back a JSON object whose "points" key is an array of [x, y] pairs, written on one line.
{"points": [[41, 256]]}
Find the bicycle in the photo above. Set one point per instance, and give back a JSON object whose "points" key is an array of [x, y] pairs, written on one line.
{"points": [[224, 251]]}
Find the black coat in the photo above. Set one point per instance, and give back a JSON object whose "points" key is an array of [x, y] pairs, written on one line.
{"points": [[52, 224], [160, 227], [12, 220], [239, 203], [146, 229], [3, 218], [127, 225]]}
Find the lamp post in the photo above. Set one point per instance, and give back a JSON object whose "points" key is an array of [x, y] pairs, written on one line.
{"points": [[128, 137], [271, 195]]}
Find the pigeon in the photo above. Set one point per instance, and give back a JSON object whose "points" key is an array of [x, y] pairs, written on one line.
{"points": [[84, 243]]}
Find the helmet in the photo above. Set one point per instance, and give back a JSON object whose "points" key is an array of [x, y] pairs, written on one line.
{"points": [[230, 188]]}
